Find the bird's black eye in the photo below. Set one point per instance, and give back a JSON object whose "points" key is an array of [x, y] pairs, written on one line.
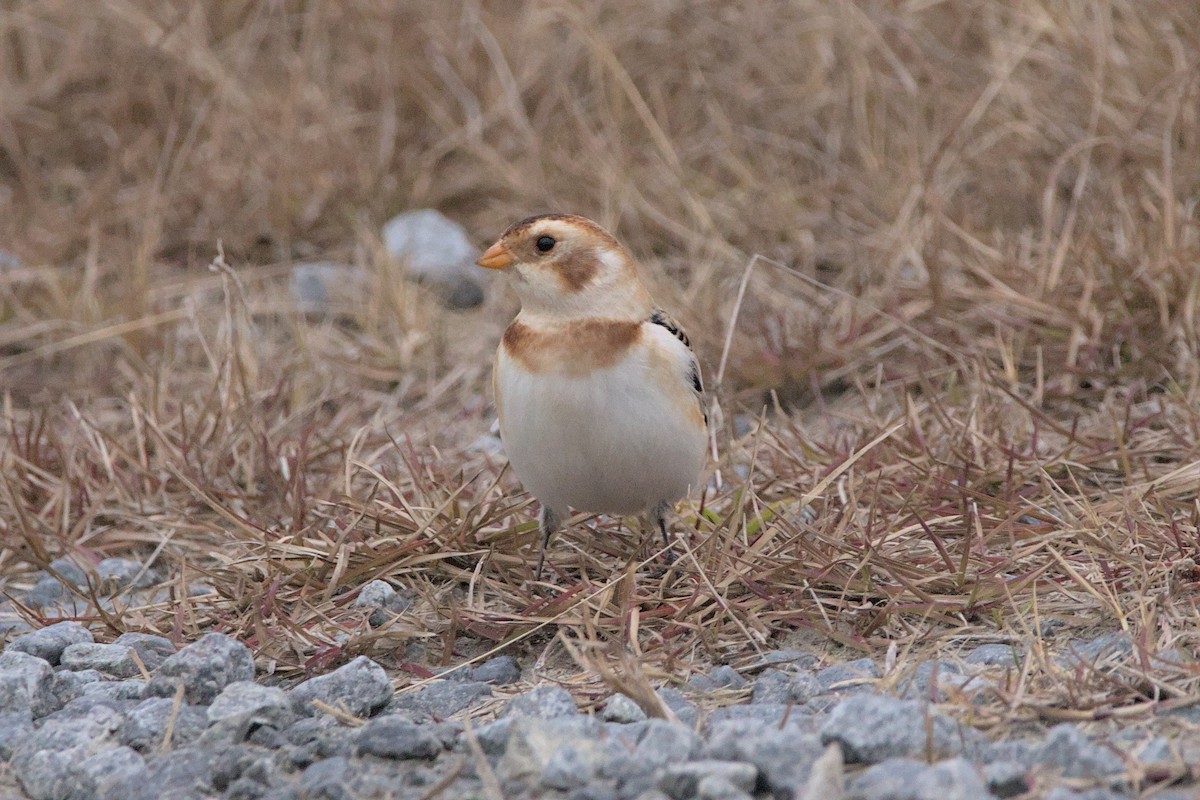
{"points": [[545, 244]]}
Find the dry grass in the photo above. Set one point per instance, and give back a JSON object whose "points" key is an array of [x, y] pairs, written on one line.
{"points": [[971, 313]]}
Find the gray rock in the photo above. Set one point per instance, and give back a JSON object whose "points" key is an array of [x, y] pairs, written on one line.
{"points": [[119, 772], [786, 658], [383, 601], [394, 737], [328, 780], [115, 574], [66, 685], [994, 655], [682, 781], [1105, 652], [493, 736], [544, 702], [464, 293], [1063, 793], [1006, 778], [10, 261], [50, 590], [250, 789], [498, 671], [621, 709], [850, 677], [147, 723], [129, 689], [685, 710], [722, 677], [556, 753], [435, 249], [1020, 750], [762, 714], [26, 685], [714, 787], [203, 668], [908, 779], [68, 571], [183, 773], [784, 756], [87, 702], [243, 707], [926, 681], [779, 687], [15, 727], [1156, 751], [152, 650], [48, 643], [112, 659], [1068, 750], [594, 791], [359, 688], [871, 728], [662, 743], [233, 763], [317, 286], [43, 762]]}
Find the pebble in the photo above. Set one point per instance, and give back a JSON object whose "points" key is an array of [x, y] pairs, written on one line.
{"points": [[621, 709], [44, 762], [994, 655], [48, 643], [498, 671], [683, 709], [384, 602], [151, 649], [117, 660], [115, 574], [872, 728], [146, 724], [777, 686], [78, 721], [438, 250], [682, 781], [544, 702], [783, 755], [909, 779], [394, 737], [853, 676], [442, 699], [1006, 778], [243, 707], [360, 687], [722, 677], [203, 669], [1070, 751]]}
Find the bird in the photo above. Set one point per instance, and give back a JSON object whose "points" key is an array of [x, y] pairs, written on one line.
{"points": [[599, 395]]}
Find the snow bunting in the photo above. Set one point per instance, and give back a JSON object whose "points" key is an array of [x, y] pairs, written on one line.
{"points": [[599, 395]]}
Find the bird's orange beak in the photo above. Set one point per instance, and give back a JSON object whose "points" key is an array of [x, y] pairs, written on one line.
{"points": [[495, 257]]}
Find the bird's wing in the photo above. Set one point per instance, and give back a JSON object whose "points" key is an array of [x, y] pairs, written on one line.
{"points": [[660, 317]]}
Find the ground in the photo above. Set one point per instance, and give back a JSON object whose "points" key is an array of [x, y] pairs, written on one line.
{"points": [[939, 262]]}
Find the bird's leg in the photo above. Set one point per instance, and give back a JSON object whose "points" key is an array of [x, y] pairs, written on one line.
{"points": [[660, 513], [548, 523]]}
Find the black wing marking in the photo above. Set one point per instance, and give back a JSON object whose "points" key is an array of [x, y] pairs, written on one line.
{"points": [[659, 317]]}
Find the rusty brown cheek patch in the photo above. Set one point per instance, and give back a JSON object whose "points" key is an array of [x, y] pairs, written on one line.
{"points": [[575, 270], [573, 350]]}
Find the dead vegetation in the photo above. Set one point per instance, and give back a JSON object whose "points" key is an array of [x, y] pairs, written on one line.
{"points": [[968, 340]]}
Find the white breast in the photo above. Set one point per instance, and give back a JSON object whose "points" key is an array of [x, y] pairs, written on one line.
{"points": [[613, 441]]}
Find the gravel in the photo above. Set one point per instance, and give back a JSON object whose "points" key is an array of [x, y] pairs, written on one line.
{"points": [[79, 719]]}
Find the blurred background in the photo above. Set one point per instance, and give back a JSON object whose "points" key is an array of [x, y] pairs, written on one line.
{"points": [[966, 234], [1014, 179]]}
